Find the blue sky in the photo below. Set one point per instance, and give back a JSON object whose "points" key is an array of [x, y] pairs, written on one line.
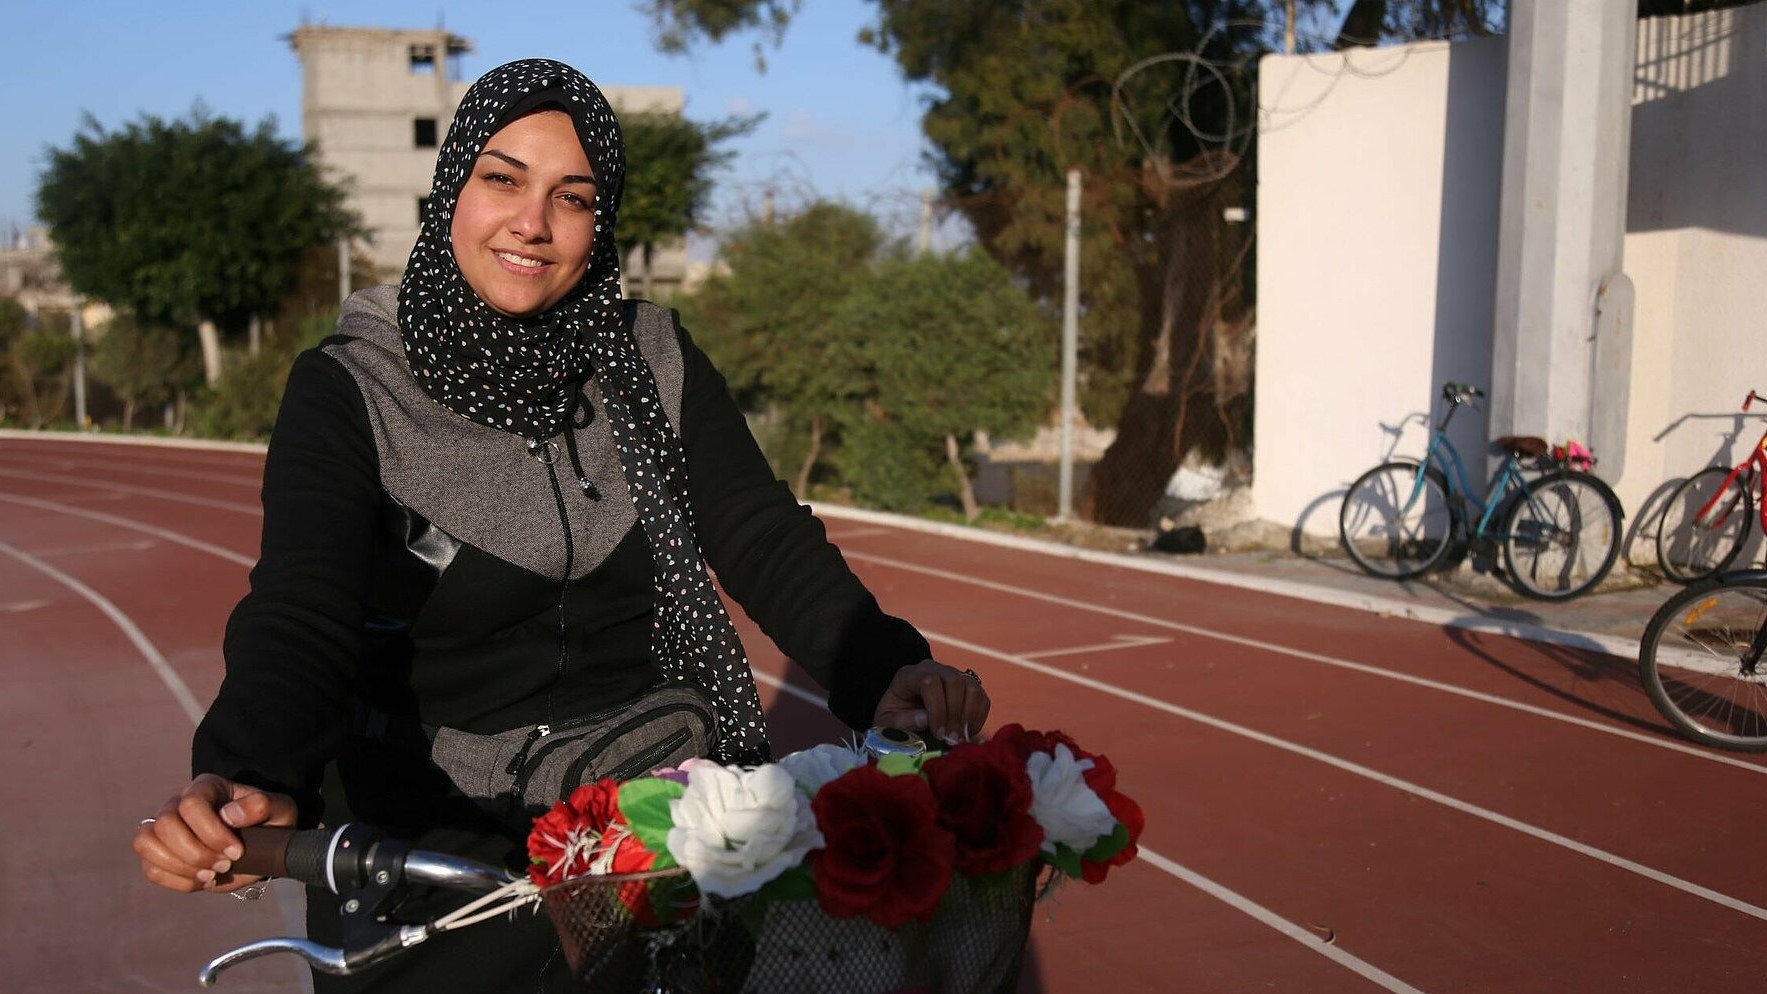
{"points": [[841, 121]]}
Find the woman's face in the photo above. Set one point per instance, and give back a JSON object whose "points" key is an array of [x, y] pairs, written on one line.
{"points": [[524, 225]]}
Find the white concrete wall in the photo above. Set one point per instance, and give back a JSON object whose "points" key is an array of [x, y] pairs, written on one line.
{"points": [[1696, 244], [1377, 234]]}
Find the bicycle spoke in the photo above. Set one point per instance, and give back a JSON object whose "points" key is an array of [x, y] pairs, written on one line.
{"points": [[1396, 523], [1700, 664], [1562, 536]]}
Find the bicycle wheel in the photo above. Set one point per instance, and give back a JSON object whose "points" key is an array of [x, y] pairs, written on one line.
{"points": [[1698, 661], [1395, 523], [1692, 546], [1561, 535]]}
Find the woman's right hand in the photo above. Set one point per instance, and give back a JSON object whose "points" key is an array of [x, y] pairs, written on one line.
{"points": [[189, 844]]}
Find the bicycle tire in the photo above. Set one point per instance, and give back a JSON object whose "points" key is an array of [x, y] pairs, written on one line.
{"points": [[1693, 660], [1389, 531], [1561, 535], [1689, 549]]}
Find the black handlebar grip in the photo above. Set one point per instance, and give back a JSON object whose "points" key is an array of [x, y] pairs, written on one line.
{"points": [[266, 851], [286, 852]]}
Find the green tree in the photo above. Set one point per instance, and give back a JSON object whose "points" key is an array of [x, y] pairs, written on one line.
{"points": [[1369, 22], [768, 320], [195, 222], [145, 364], [945, 345], [38, 356], [681, 23], [243, 403], [1021, 93], [670, 161], [15, 395]]}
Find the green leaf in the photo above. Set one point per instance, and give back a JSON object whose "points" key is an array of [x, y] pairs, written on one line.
{"points": [[1109, 845], [1064, 859], [645, 803]]}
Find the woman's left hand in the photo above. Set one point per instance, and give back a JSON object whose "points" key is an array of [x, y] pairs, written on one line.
{"points": [[931, 697]]}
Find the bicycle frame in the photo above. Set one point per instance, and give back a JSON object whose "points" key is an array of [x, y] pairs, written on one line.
{"points": [[1756, 466], [1442, 453]]}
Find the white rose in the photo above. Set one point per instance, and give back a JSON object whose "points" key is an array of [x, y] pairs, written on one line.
{"points": [[813, 767], [1068, 810], [736, 829]]}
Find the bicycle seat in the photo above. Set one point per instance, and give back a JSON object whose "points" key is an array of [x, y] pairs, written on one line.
{"points": [[1523, 446]]}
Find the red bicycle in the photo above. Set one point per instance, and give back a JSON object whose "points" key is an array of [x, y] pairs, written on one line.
{"points": [[1706, 519]]}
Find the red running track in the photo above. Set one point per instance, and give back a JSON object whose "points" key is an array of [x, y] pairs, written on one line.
{"points": [[1337, 802]]}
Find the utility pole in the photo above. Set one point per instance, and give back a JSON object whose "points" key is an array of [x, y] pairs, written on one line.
{"points": [[343, 269], [925, 240], [78, 325], [1288, 28], [1070, 347]]}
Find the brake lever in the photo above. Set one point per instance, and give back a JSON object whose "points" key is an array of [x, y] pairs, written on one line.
{"points": [[365, 868], [325, 959]]}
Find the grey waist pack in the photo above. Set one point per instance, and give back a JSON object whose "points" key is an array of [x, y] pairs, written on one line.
{"points": [[534, 767]]}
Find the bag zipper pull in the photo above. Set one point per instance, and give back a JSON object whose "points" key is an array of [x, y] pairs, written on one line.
{"points": [[515, 765]]}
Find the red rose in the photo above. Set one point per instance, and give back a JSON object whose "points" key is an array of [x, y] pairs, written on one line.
{"points": [[984, 797], [885, 855], [1026, 741]]}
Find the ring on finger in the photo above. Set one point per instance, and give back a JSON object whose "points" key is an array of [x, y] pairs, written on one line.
{"points": [[973, 675], [146, 822]]}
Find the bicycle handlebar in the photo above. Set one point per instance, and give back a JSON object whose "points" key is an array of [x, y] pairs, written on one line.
{"points": [[1460, 393], [363, 866], [350, 856]]}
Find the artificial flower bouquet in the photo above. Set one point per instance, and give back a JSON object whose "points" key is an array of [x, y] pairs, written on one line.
{"points": [[885, 874]]}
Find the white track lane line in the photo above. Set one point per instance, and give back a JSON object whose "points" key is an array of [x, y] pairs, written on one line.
{"points": [[1307, 939], [111, 519], [291, 900], [168, 676], [1357, 769], [1650, 740], [171, 495], [1239, 902], [788, 688], [1554, 838], [251, 482], [1315, 657], [1117, 642]]}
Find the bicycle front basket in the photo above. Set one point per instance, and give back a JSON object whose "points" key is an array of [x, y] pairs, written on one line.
{"points": [[647, 933]]}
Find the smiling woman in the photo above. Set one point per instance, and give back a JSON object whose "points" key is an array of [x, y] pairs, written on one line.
{"points": [[525, 223], [492, 503]]}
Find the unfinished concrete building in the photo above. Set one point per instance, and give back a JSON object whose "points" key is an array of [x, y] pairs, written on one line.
{"points": [[376, 103]]}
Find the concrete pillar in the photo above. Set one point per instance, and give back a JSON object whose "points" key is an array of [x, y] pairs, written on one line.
{"points": [[1561, 349]]}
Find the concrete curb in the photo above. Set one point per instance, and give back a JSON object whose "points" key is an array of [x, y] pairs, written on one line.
{"points": [[1386, 607]]}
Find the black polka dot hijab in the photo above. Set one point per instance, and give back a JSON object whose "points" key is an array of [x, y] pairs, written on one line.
{"points": [[525, 376], [518, 375]]}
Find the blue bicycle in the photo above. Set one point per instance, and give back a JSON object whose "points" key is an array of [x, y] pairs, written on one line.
{"points": [[1559, 531]]}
